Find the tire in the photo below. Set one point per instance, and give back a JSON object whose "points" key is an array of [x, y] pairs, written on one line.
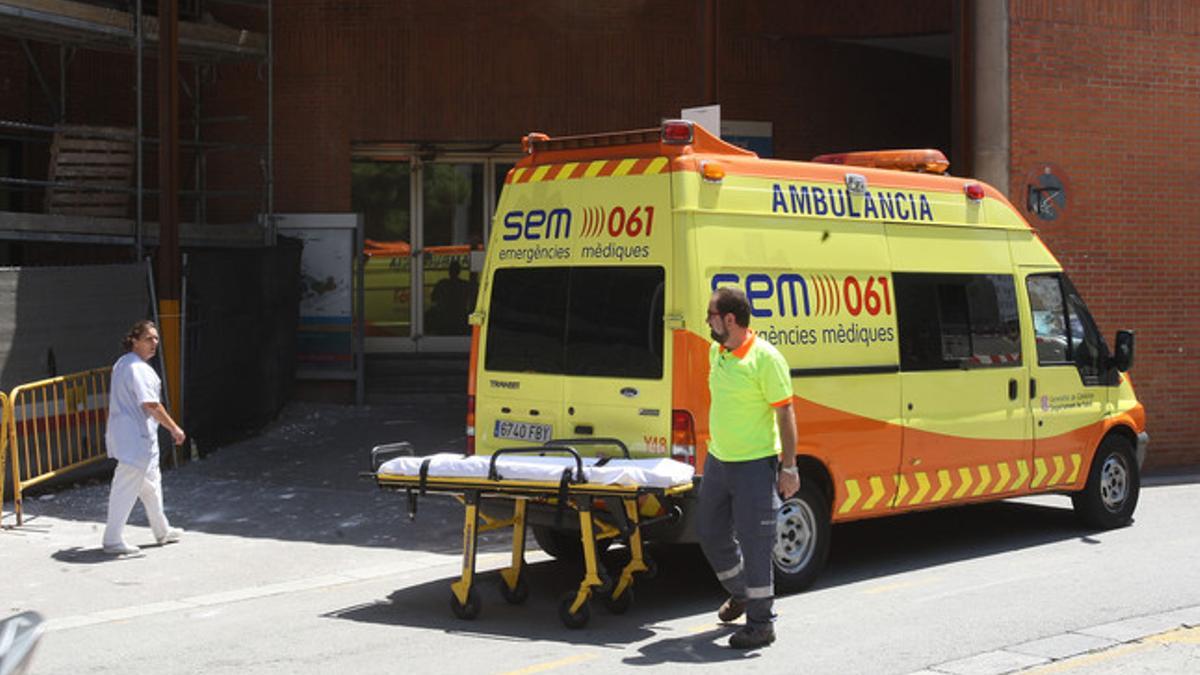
{"points": [[564, 544], [619, 605], [1114, 483], [515, 596], [576, 620], [803, 533], [468, 611]]}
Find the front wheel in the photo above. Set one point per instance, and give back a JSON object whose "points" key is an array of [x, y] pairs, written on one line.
{"points": [[802, 538], [1111, 493]]}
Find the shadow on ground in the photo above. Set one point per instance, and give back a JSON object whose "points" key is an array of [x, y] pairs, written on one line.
{"points": [[685, 585]]}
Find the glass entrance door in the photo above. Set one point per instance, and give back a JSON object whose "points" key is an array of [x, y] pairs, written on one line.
{"points": [[426, 224]]}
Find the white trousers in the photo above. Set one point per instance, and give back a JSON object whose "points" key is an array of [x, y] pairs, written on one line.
{"points": [[130, 483]]}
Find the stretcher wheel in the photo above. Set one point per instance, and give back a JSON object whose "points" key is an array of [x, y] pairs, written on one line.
{"points": [[619, 605], [516, 595], [468, 611], [651, 569], [578, 619]]}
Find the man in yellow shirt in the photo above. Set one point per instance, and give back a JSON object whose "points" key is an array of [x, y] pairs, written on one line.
{"points": [[751, 422]]}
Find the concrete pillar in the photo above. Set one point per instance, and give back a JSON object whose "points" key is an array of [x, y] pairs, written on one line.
{"points": [[989, 91]]}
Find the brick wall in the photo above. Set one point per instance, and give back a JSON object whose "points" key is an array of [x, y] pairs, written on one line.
{"points": [[408, 71], [1109, 93]]}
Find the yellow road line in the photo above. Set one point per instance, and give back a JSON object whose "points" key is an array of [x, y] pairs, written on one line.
{"points": [[551, 665]]}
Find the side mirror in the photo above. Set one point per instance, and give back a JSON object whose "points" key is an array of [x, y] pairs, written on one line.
{"points": [[1122, 358], [19, 635]]}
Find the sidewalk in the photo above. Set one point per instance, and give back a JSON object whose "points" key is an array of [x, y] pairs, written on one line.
{"points": [[285, 507]]}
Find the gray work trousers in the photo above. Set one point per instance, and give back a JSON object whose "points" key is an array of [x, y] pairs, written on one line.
{"points": [[735, 520]]}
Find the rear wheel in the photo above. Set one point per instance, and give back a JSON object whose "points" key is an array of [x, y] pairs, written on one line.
{"points": [[1113, 485], [564, 544], [802, 538]]}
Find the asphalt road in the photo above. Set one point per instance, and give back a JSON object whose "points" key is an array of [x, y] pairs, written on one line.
{"points": [[305, 570]]}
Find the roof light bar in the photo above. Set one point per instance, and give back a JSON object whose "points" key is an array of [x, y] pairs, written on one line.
{"points": [[974, 191], [922, 161], [539, 142]]}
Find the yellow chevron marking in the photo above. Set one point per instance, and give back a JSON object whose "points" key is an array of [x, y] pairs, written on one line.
{"points": [[852, 495], [985, 477], [943, 485], [877, 493], [567, 170], [965, 475], [1022, 474], [922, 488], [657, 165], [624, 167], [594, 168], [539, 173], [1039, 472], [1002, 467], [901, 490], [1059, 467], [1075, 460], [517, 174]]}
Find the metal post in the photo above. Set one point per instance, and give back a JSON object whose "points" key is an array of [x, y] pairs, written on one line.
{"points": [[271, 233], [141, 130], [168, 193]]}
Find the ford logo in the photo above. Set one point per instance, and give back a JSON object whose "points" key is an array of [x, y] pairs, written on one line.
{"points": [[629, 392]]}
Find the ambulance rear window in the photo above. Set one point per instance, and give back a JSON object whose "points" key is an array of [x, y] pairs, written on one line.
{"points": [[589, 321]]}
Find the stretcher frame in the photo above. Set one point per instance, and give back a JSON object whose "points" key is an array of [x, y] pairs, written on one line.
{"points": [[570, 493]]}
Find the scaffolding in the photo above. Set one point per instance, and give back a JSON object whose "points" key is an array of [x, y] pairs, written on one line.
{"points": [[96, 173]]}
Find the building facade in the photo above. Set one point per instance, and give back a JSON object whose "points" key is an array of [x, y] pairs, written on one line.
{"points": [[1082, 111]]}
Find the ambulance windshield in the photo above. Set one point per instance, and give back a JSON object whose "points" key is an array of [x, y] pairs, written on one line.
{"points": [[590, 321]]}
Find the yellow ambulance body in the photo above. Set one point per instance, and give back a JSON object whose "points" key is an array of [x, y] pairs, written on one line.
{"points": [[939, 354]]}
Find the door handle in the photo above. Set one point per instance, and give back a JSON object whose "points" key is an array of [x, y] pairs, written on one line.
{"points": [[1032, 387], [1012, 389], [584, 429]]}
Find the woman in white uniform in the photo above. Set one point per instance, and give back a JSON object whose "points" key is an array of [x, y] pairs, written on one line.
{"points": [[134, 413]]}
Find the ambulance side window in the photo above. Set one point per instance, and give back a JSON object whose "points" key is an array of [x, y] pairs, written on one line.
{"points": [[1049, 319], [1065, 332], [950, 321]]}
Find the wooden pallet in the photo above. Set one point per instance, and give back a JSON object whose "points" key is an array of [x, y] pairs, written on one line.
{"points": [[91, 161]]}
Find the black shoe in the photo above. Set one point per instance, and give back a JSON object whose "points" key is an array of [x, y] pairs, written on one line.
{"points": [[753, 636], [732, 610]]}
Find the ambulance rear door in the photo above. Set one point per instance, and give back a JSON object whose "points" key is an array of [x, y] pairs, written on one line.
{"points": [[616, 363]]}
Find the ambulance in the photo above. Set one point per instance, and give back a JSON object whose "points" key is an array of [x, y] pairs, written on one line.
{"points": [[939, 354]]}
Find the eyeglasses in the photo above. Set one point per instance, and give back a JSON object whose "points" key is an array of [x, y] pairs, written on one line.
{"points": [[712, 314]]}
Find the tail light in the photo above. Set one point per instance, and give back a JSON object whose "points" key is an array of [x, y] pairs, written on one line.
{"points": [[470, 425], [683, 437], [677, 132]]}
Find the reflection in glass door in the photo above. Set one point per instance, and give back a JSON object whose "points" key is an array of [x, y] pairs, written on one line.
{"points": [[452, 206], [423, 221], [382, 192]]}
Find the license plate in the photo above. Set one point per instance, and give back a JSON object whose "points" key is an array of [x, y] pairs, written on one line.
{"points": [[522, 431]]}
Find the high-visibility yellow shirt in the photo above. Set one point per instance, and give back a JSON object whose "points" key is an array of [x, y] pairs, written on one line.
{"points": [[746, 385]]}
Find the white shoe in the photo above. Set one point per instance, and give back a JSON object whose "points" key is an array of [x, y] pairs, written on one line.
{"points": [[172, 535], [121, 549]]}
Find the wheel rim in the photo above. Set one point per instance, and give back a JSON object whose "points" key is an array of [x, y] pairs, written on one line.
{"points": [[795, 536], [1114, 482]]}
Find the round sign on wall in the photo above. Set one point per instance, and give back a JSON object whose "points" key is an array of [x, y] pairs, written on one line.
{"points": [[1047, 194]]}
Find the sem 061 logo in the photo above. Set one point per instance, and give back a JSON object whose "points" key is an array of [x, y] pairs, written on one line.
{"points": [[597, 221]]}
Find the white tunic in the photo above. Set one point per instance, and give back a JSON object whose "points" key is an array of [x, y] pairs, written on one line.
{"points": [[132, 434]]}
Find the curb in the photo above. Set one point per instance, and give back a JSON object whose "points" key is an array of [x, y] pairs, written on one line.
{"points": [[1044, 651]]}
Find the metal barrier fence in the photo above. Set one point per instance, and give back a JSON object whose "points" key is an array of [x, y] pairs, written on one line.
{"points": [[54, 426], [5, 420]]}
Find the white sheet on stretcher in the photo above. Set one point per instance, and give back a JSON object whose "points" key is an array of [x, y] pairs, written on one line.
{"points": [[659, 473]]}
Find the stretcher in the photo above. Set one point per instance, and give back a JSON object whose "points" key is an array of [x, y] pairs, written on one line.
{"points": [[609, 496]]}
